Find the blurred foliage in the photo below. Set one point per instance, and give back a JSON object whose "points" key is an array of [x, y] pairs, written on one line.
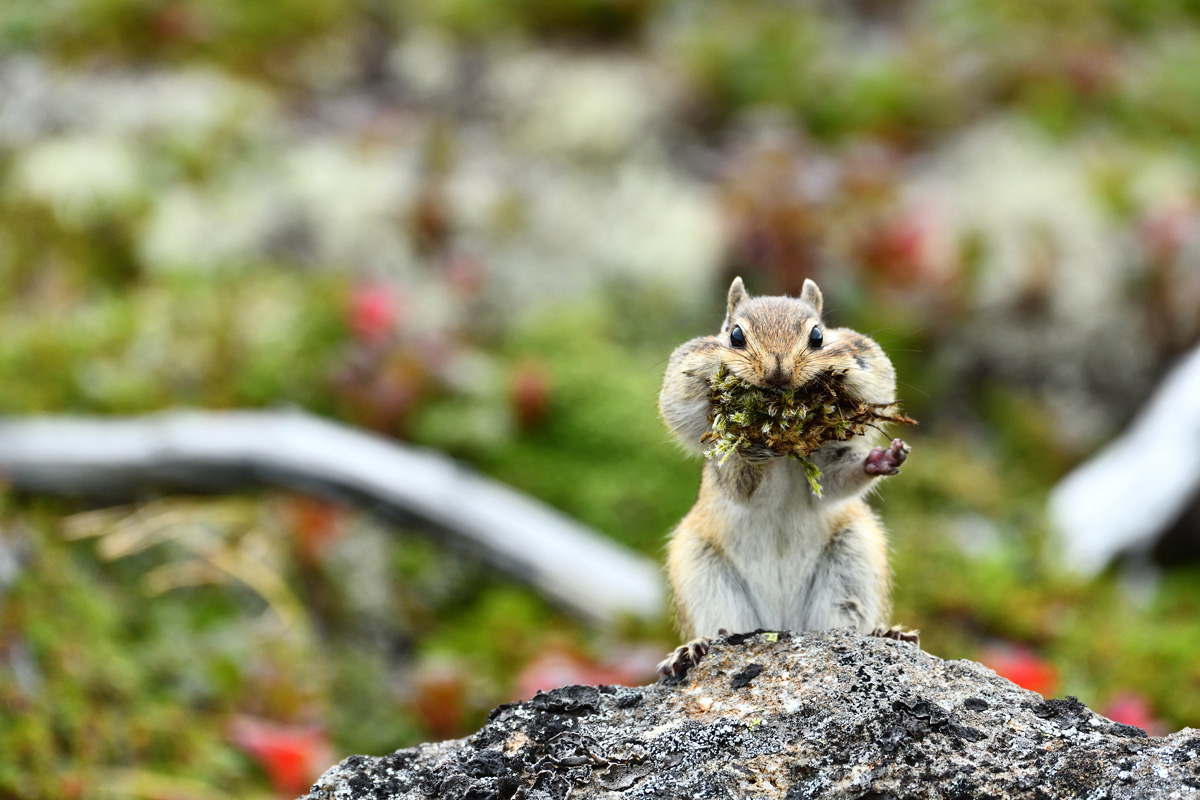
{"points": [[1067, 63], [241, 35], [118, 676], [130, 670], [243, 341], [578, 20], [604, 392]]}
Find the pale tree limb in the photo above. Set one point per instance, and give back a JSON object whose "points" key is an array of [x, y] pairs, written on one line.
{"points": [[207, 451]]}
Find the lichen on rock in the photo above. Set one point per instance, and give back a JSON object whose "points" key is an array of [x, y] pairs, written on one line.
{"points": [[829, 714]]}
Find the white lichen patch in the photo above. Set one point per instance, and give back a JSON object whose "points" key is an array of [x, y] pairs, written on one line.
{"points": [[204, 172], [82, 178]]}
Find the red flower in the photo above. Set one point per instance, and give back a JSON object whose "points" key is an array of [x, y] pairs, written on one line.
{"points": [[1166, 230], [557, 667], [373, 312], [292, 756], [440, 701], [530, 393], [1131, 708], [314, 522], [1021, 666], [900, 250]]}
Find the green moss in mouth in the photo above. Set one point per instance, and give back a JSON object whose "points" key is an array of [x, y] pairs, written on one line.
{"points": [[791, 422]]}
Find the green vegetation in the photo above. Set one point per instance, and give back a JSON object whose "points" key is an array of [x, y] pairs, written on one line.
{"points": [[787, 421], [136, 642]]}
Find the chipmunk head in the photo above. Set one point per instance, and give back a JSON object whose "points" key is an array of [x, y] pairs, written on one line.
{"points": [[776, 342]]}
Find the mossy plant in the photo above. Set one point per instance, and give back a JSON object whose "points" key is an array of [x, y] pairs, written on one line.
{"points": [[792, 422]]}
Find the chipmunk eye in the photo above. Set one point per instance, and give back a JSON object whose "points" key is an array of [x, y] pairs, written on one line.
{"points": [[736, 337], [815, 337]]}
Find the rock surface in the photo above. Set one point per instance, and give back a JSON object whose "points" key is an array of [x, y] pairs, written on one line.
{"points": [[820, 714]]}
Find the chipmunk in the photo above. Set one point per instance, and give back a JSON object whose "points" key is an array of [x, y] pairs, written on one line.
{"points": [[760, 549]]}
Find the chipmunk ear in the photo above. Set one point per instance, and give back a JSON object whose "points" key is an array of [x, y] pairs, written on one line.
{"points": [[812, 295], [737, 294]]}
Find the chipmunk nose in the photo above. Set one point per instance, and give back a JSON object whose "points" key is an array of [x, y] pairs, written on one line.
{"points": [[778, 377]]}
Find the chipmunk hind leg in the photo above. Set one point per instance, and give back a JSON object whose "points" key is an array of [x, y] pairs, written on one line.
{"points": [[849, 586], [711, 596]]}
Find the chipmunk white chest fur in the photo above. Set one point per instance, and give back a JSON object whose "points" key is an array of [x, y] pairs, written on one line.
{"points": [[760, 549]]}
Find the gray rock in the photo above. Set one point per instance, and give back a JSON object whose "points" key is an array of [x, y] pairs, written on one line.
{"points": [[825, 714]]}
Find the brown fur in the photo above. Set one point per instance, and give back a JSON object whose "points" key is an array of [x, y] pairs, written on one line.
{"points": [[758, 549]]}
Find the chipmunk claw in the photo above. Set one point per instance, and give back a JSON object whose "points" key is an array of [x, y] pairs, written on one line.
{"points": [[675, 666], [758, 454], [887, 462], [899, 634]]}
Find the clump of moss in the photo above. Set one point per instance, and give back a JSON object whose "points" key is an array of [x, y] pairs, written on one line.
{"points": [[792, 422]]}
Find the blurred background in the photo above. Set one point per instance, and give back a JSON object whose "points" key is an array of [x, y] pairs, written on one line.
{"points": [[481, 227]]}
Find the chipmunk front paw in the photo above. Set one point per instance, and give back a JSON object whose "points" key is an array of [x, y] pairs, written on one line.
{"points": [[758, 454], [683, 658], [887, 462]]}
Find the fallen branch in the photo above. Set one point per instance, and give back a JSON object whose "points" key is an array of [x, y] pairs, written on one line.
{"points": [[1127, 495], [579, 569]]}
